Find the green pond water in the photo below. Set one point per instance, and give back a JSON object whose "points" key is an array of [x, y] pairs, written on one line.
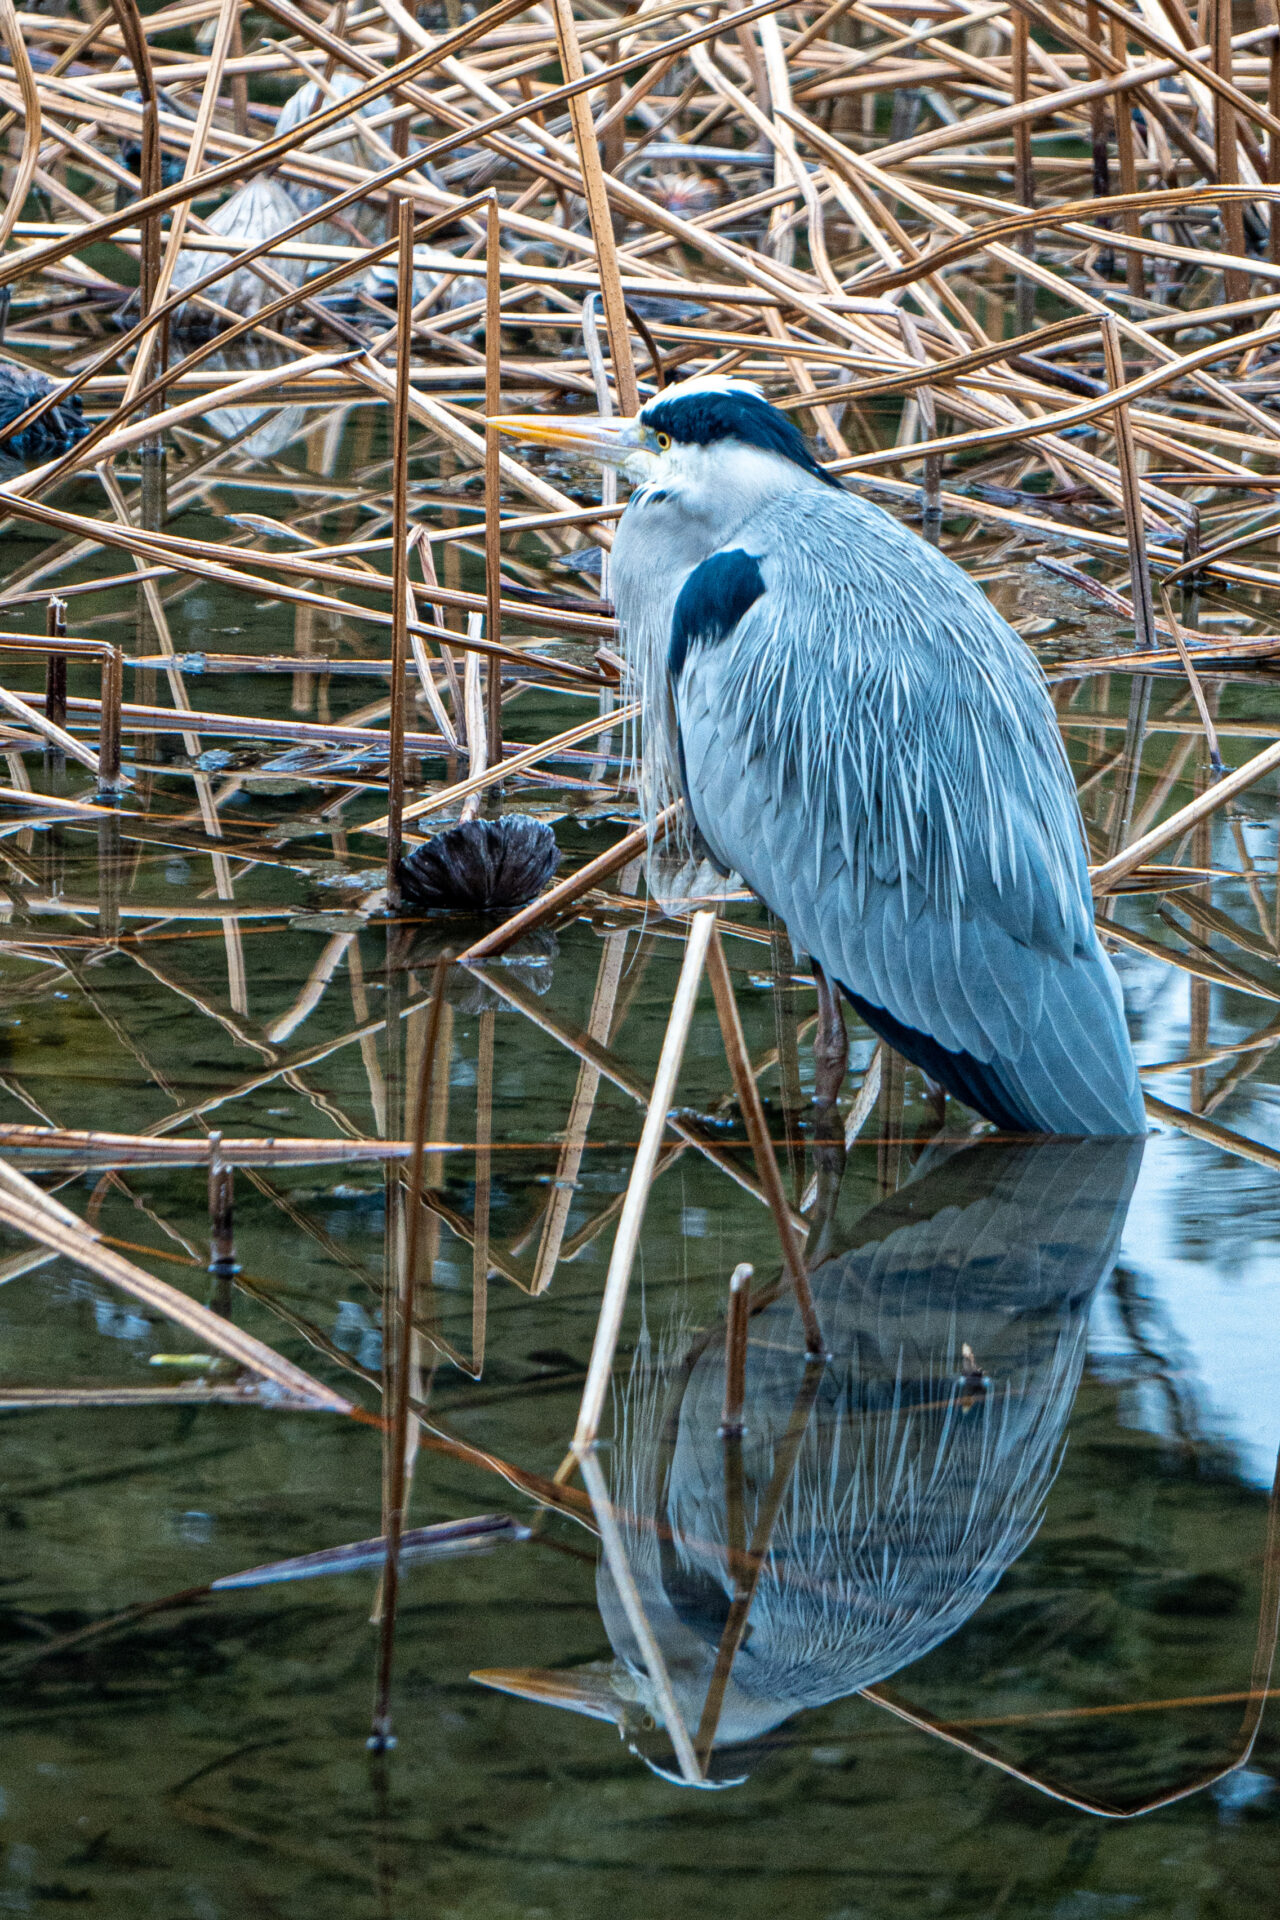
{"points": [[1027, 1501]]}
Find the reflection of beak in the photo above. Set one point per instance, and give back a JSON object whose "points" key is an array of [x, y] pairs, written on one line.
{"points": [[615, 441], [588, 1689]]}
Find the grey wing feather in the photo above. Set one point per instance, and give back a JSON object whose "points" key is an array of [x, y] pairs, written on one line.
{"points": [[884, 769]]}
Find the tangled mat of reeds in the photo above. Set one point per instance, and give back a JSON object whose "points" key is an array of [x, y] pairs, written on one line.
{"points": [[1016, 268]]}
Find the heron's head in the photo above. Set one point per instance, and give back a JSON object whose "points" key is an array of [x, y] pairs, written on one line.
{"points": [[612, 1691], [704, 435]]}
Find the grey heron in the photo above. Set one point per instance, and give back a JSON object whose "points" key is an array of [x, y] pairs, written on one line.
{"points": [[857, 732], [957, 1324]]}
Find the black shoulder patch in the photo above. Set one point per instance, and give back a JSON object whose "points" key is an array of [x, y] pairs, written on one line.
{"points": [[712, 601]]}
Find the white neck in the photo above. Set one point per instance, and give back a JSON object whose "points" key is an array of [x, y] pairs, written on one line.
{"points": [[693, 503]]}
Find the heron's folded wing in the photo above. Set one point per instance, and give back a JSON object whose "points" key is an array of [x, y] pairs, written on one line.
{"points": [[995, 965]]}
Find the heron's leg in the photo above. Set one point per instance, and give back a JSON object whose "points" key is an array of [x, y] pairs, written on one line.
{"points": [[830, 1050], [829, 1157]]}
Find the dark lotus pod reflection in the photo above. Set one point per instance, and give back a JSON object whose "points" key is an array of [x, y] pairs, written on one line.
{"points": [[529, 961], [956, 1324]]}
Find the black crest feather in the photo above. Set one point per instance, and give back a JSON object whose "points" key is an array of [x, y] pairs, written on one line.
{"points": [[481, 866], [701, 418]]}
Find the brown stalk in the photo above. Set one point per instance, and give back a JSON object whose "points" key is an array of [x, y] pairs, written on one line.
{"points": [[1024, 168], [584, 133], [1097, 107], [1144, 619], [1197, 691], [747, 1580], [222, 1255], [735, 1349], [752, 1109], [109, 716], [178, 220], [55, 675], [493, 475], [1225, 141], [1126, 158], [133, 36], [399, 555], [381, 1737], [24, 173]]}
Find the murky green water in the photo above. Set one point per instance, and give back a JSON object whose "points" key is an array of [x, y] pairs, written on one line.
{"points": [[1028, 1499]]}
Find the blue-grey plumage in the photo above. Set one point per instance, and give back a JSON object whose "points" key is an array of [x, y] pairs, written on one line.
{"points": [[859, 734]]}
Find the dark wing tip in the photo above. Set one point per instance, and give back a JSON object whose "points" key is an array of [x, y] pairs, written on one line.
{"points": [[976, 1082]]}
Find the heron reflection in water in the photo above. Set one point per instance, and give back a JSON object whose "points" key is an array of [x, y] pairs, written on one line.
{"points": [[885, 1493]]}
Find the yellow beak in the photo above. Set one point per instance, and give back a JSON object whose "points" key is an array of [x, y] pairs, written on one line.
{"points": [[586, 1689], [613, 441]]}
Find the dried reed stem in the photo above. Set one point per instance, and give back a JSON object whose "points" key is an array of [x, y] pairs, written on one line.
{"points": [[627, 1239], [1144, 619], [735, 1349], [399, 553], [381, 1737], [749, 1100], [493, 475]]}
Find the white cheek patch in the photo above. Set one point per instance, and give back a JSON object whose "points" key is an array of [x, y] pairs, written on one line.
{"points": [[729, 473]]}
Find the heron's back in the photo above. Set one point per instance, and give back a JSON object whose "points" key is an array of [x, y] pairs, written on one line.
{"points": [[873, 749]]}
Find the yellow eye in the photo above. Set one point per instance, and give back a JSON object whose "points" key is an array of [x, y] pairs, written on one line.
{"points": [[664, 441]]}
